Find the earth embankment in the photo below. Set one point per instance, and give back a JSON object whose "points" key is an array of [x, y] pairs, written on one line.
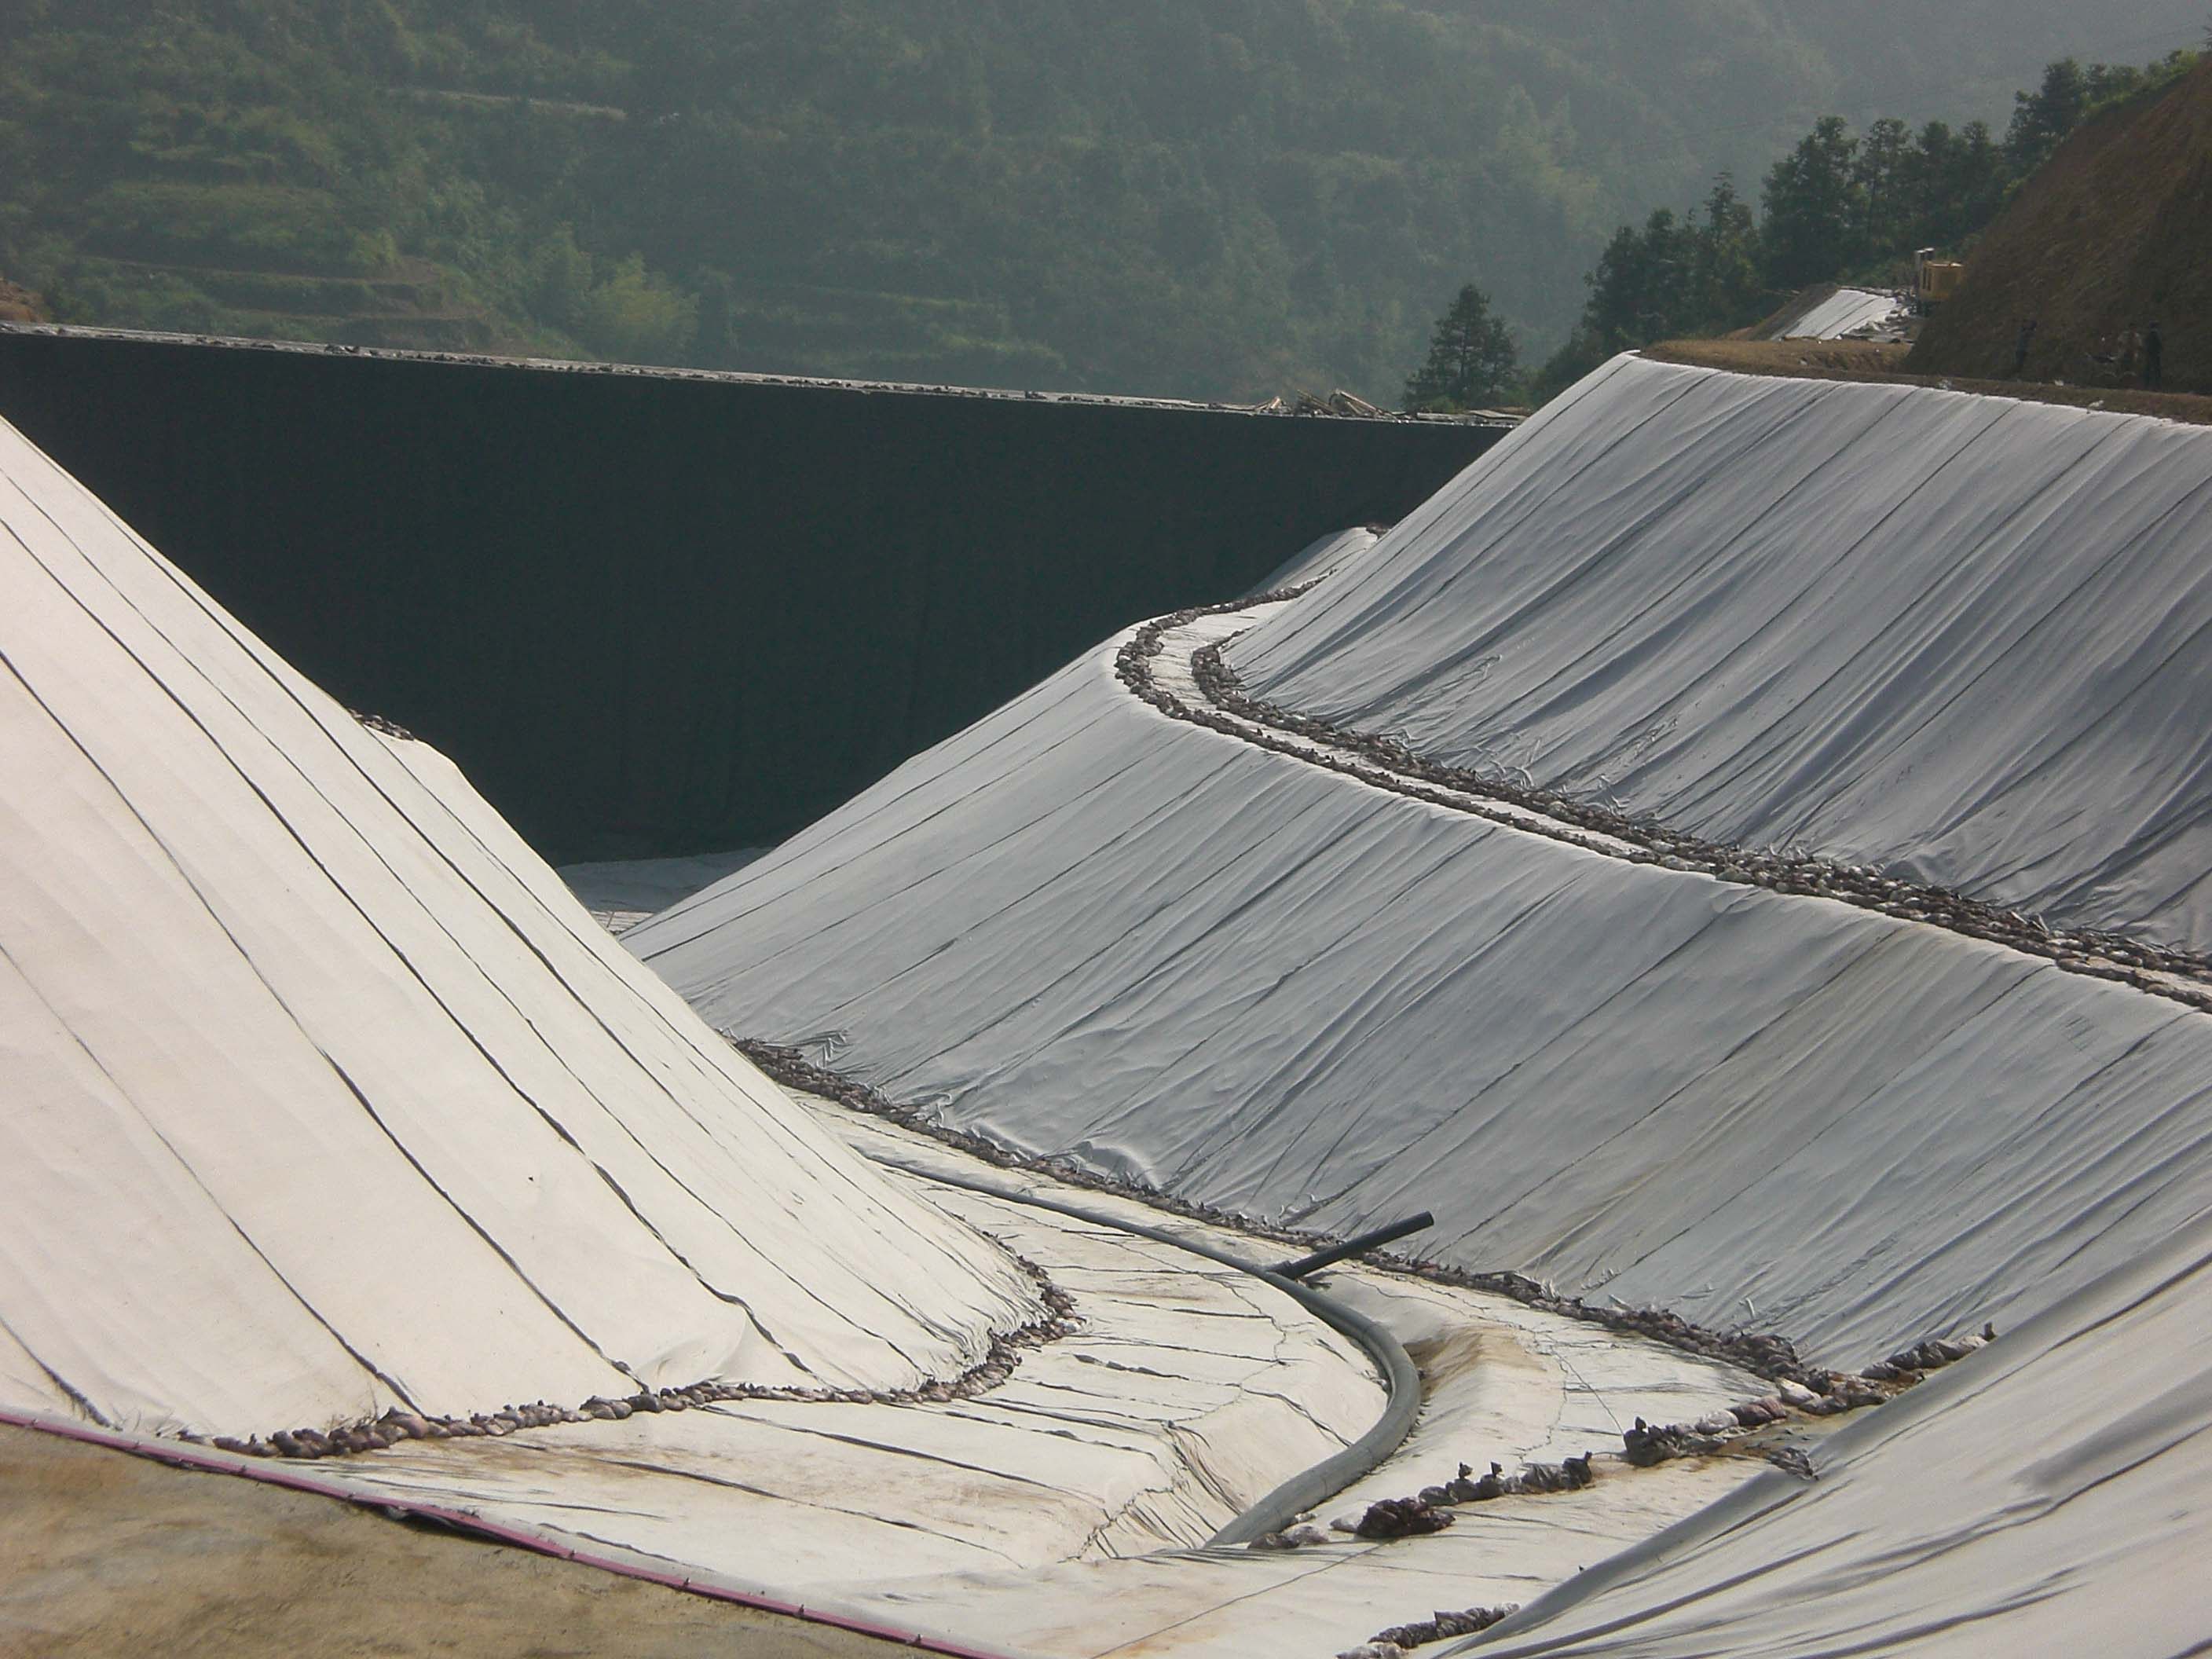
{"points": [[2110, 234], [326, 1105], [1951, 634]]}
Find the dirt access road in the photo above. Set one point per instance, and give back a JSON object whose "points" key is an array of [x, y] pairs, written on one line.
{"points": [[103, 1554], [1883, 365]]}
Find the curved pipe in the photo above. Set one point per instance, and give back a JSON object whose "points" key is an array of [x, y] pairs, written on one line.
{"points": [[1301, 1493], [1330, 1476]]}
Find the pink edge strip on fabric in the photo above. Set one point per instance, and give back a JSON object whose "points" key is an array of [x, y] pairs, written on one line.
{"points": [[188, 1456]]}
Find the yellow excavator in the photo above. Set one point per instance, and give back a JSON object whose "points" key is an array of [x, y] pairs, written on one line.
{"points": [[1934, 280]]}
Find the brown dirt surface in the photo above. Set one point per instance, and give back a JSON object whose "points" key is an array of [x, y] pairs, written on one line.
{"points": [[2112, 232], [103, 1554], [1858, 359], [19, 305]]}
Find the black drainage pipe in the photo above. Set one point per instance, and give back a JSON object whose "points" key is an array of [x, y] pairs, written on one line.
{"points": [[1299, 1267], [1311, 1487]]}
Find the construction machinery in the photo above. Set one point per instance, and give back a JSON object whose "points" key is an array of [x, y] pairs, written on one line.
{"points": [[1934, 280]]}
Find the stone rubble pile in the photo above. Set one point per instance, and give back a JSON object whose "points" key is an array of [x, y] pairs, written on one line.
{"points": [[1823, 1393], [399, 1425], [1759, 1353], [1643, 1445], [1401, 1518], [1398, 1639], [1384, 763]]}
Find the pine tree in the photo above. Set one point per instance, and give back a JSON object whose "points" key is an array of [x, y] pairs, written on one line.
{"points": [[1881, 173], [1724, 286], [2040, 118], [1471, 359], [1815, 208]]}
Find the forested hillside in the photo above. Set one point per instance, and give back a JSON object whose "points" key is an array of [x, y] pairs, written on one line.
{"points": [[1220, 200], [1845, 206]]}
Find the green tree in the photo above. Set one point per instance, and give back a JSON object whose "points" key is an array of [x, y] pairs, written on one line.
{"points": [[1881, 174], [1472, 359], [2040, 118], [1723, 286], [633, 316], [1815, 208], [1636, 287], [1954, 182]]}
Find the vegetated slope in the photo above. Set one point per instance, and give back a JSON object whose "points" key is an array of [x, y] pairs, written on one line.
{"points": [[1089, 931], [1958, 636], [1219, 202], [2112, 232], [320, 1095]]}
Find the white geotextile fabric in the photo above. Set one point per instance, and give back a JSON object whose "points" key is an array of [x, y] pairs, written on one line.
{"points": [[1842, 312], [1321, 558], [1963, 636], [2045, 1497], [320, 1094], [1084, 928]]}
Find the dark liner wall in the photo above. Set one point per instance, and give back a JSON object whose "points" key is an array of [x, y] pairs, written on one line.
{"points": [[650, 613]]}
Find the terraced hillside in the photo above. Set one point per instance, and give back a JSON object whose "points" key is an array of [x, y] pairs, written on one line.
{"points": [[1230, 204]]}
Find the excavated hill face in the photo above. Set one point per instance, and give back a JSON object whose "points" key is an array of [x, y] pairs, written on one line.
{"points": [[2112, 232], [319, 1097], [19, 305]]}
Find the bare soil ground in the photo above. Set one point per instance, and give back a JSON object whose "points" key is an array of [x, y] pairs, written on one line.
{"points": [[19, 305], [103, 1555], [1858, 359], [2112, 232]]}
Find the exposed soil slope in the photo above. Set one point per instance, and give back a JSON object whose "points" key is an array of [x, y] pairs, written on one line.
{"points": [[19, 305], [1883, 365], [2114, 232]]}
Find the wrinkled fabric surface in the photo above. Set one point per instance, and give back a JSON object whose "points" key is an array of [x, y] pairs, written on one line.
{"points": [[1952, 634], [1085, 930], [320, 1095], [1839, 314], [1965, 637], [2045, 1497]]}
